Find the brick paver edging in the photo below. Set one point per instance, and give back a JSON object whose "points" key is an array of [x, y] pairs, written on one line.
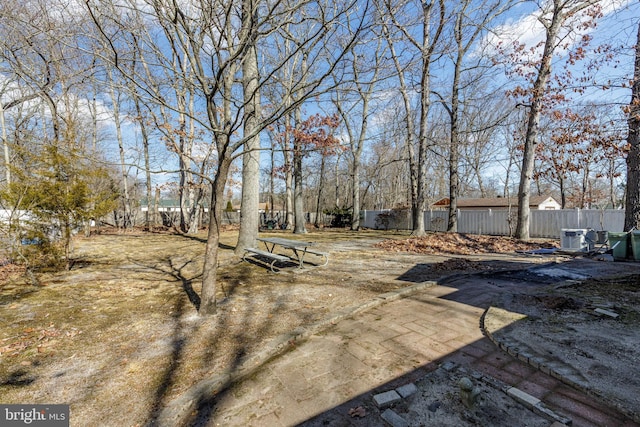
{"points": [[176, 413], [556, 368]]}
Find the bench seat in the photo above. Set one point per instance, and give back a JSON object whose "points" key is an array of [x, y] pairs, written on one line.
{"points": [[274, 257]]}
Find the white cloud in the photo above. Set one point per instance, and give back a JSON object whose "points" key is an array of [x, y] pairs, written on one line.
{"points": [[529, 31]]}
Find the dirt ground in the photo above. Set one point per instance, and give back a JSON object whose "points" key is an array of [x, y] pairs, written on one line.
{"points": [[123, 321], [438, 403], [593, 326]]}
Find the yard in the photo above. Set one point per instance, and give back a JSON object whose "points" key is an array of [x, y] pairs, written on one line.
{"points": [[119, 333]]}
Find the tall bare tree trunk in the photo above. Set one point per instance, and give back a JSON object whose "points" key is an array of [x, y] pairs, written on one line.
{"points": [[336, 172], [249, 215], [123, 165], [184, 157], [365, 91], [612, 184], [145, 153], [5, 146], [286, 144], [318, 219], [427, 47], [409, 127], [288, 176], [355, 190], [454, 144], [272, 188], [533, 128], [225, 157], [560, 12], [210, 264], [298, 199], [632, 208], [156, 207]]}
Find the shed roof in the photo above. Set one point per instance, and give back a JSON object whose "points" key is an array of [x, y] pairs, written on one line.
{"points": [[491, 202]]}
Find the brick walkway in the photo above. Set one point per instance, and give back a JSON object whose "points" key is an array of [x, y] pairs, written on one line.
{"points": [[393, 344]]}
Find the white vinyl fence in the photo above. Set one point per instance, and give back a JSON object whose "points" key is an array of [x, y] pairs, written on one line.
{"points": [[543, 223]]}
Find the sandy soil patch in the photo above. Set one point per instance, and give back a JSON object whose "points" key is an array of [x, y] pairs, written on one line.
{"points": [[593, 326]]}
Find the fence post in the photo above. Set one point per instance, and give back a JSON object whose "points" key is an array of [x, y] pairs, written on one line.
{"points": [[579, 221]]}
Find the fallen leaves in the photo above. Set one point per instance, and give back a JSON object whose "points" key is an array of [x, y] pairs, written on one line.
{"points": [[10, 271], [461, 244], [359, 412], [14, 347], [38, 339]]}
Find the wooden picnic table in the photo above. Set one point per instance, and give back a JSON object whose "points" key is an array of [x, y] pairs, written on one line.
{"points": [[300, 248]]}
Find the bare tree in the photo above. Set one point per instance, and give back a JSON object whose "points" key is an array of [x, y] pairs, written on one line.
{"points": [[430, 25], [471, 20], [214, 49], [116, 101], [483, 147], [407, 116], [553, 16], [299, 225], [366, 66], [141, 118], [249, 219], [632, 212]]}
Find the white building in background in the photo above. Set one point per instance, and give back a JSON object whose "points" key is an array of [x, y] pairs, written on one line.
{"points": [[499, 203]]}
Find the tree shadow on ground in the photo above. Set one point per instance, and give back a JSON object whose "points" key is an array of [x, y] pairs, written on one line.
{"points": [[214, 331], [206, 401], [457, 267], [464, 294], [187, 283], [18, 378], [204, 240]]}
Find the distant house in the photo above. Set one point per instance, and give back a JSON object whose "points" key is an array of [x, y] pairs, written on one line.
{"points": [[262, 207], [166, 205], [498, 203]]}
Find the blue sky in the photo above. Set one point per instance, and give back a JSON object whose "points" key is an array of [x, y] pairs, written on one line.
{"points": [[618, 28]]}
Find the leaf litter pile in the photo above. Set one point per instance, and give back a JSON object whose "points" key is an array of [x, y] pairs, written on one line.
{"points": [[462, 244], [459, 244]]}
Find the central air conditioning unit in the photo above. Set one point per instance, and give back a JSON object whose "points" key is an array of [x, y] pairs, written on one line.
{"points": [[574, 239]]}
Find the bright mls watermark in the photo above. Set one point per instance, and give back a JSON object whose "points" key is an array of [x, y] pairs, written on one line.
{"points": [[34, 415]]}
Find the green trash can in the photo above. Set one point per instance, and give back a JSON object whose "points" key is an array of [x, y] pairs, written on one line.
{"points": [[618, 242], [635, 245]]}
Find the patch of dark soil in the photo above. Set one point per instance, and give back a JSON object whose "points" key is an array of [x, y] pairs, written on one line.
{"points": [[622, 287], [554, 302], [18, 378], [460, 264], [525, 276], [452, 267]]}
